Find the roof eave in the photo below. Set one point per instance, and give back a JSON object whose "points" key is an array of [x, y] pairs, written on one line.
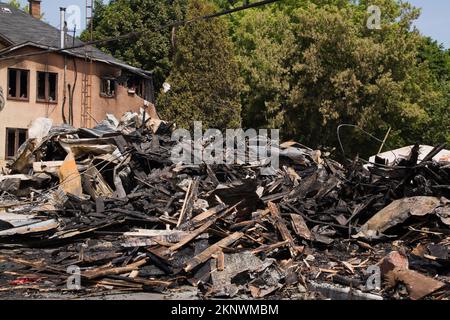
{"points": [[5, 40], [137, 71]]}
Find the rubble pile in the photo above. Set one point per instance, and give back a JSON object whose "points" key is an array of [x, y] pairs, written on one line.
{"points": [[108, 204]]}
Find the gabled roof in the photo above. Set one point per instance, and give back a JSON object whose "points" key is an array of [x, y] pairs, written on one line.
{"points": [[19, 29]]}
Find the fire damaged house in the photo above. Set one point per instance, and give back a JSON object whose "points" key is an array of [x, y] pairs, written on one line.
{"points": [[44, 72]]}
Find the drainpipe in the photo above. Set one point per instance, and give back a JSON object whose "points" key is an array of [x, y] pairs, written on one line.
{"points": [[62, 28]]}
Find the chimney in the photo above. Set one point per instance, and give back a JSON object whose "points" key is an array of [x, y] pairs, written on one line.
{"points": [[35, 8], [63, 27]]}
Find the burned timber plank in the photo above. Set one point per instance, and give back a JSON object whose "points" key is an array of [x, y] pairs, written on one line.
{"points": [[282, 228], [206, 254]]}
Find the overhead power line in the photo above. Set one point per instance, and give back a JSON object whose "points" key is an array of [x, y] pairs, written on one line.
{"points": [[138, 33]]}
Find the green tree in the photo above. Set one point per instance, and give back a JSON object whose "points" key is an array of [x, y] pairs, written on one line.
{"points": [[309, 66], [151, 49], [205, 81], [26, 8], [16, 4], [437, 59]]}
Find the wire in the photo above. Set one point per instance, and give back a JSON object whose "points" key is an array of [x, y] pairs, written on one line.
{"points": [[370, 135], [138, 33], [352, 126]]}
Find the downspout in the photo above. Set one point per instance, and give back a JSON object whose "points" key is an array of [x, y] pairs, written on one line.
{"points": [[73, 88], [70, 104], [64, 90], [71, 93], [62, 23]]}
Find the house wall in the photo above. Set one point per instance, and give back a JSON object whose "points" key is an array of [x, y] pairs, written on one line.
{"points": [[20, 114]]}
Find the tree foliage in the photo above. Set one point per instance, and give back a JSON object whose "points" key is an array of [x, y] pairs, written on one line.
{"points": [[437, 59], [306, 66], [309, 66], [25, 8], [205, 81], [151, 50], [14, 3]]}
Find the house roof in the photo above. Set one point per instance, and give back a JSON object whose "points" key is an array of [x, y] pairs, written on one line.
{"points": [[19, 29]]}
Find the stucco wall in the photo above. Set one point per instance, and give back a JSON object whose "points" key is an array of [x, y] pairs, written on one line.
{"points": [[19, 114]]}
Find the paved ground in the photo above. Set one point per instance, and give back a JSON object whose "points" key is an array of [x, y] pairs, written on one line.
{"points": [[184, 293]]}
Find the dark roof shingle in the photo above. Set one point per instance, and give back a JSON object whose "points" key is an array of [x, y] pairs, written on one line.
{"points": [[19, 27]]}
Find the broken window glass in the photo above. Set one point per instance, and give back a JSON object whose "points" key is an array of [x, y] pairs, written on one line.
{"points": [[12, 83], [108, 87], [41, 85], [52, 82], [10, 142], [15, 137], [24, 85], [47, 86], [18, 83], [135, 85]]}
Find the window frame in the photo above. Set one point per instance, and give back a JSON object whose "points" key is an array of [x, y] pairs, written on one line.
{"points": [[18, 87], [139, 86], [16, 141], [102, 93], [47, 87]]}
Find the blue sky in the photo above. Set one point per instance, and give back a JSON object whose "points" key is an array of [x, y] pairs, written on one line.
{"points": [[434, 21]]}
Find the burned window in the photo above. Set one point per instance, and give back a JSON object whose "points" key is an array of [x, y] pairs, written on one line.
{"points": [[47, 87], [136, 86], [18, 84], [14, 139], [108, 87]]}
